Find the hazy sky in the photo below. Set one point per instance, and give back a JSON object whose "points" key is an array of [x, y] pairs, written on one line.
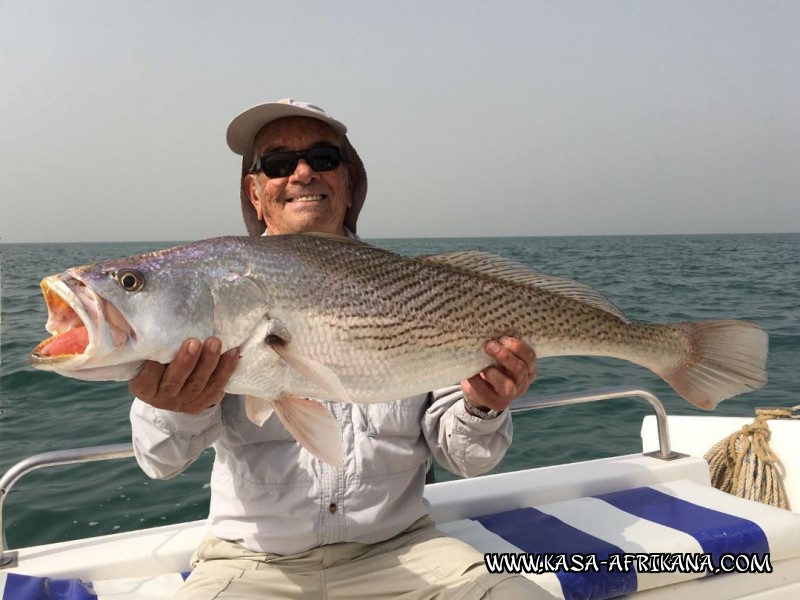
{"points": [[473, 117]]}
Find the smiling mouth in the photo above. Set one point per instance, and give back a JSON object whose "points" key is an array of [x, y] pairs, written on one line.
{"points": [[305, 199]]}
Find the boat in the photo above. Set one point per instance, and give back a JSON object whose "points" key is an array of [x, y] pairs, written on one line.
{"points": [[648, 525]]}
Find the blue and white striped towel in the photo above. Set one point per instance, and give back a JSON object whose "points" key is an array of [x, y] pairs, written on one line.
{"points": [[24, 587], [676, 517]]}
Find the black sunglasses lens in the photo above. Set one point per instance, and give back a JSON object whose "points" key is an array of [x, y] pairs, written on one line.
{"points": [[283, 164], [280, 164], [323, 159]]}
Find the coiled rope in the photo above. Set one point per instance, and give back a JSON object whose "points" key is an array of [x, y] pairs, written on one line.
{"points": [[744, 465]]}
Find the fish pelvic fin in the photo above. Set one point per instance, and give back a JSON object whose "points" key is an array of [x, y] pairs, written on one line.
{"points": [[726, 358], [505, 269], [313, 426], [258, 410]]}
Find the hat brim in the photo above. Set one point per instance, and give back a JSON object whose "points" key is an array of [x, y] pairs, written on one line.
{"points": [[243, 129]]}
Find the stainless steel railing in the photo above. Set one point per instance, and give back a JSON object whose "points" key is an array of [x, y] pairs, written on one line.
{"points": [[664, 451], [8, 558], [50, 459]]}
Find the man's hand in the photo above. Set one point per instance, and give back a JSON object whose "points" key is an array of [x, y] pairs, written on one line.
{"points": [[496, 387], [192, 382]]}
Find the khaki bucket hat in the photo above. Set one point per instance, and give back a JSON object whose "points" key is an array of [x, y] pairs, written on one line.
{"points": [[243, 129]]}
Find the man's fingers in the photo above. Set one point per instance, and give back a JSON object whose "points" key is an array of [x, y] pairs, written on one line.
{"points": [[478, 392], [192, 382], [207, 361], [178, 371], [499, 381], [497, 386], [226, 366], [515, 365], [519, 349], [214, 388], [145, 384]]}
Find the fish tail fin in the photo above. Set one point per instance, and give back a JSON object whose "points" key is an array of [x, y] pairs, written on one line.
{"points": [[725, 358]]}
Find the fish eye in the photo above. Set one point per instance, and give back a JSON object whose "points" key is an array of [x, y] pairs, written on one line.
{"points": [[130, 280]]}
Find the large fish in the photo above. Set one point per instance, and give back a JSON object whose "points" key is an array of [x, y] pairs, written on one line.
{"points": [[324, 317]]}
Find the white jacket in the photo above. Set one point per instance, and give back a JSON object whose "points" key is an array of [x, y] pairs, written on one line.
{"points": [[271, 495]]}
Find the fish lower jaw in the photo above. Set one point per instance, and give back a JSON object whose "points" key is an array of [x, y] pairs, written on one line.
{"points": [[58, 362], [94, 364]]}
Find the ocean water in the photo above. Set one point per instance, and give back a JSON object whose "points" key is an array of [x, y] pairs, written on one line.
{"points": [[652, 278]]}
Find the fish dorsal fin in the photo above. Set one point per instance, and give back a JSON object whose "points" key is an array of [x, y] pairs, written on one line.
{"points": [[505, 269]]}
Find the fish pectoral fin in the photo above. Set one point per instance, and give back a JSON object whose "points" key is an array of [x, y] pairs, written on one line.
{"points": [[267, 329], [313, 426], [277, 333], [258, 410], [326, 380]]}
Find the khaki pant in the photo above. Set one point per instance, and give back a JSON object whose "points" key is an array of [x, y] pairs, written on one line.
{"points": [[420, 563]]}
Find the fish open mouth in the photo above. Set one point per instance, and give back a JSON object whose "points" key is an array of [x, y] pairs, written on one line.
{"points": [[81, 322]]}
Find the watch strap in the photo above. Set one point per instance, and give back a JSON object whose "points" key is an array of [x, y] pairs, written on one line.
{"points": [[478, 412]]}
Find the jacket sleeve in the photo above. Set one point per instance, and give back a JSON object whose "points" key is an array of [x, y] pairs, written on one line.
{"points": [[462, 443], [167, 442]]}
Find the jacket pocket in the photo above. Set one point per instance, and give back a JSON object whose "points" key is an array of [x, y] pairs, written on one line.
{"points": [[260, 458], [399, 418], [393, 442]]}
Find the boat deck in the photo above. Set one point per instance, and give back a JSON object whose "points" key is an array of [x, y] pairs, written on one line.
{"points": [[594, 508]]}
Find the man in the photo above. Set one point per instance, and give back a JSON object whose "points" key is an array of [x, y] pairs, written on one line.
{"points": [[282, 523]]}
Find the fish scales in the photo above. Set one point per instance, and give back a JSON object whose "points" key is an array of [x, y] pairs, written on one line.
{"points": [[379, 315]]}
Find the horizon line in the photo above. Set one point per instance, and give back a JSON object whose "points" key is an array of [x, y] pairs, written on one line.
{"points": [[462, 237]]}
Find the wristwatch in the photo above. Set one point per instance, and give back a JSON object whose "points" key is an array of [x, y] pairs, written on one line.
{"points": [[478, 412]]}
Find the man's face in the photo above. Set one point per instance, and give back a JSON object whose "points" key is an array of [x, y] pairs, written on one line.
{"points": [[306, 200]]}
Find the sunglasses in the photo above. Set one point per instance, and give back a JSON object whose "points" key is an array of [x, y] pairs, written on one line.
{"points": [[283, 163]]}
